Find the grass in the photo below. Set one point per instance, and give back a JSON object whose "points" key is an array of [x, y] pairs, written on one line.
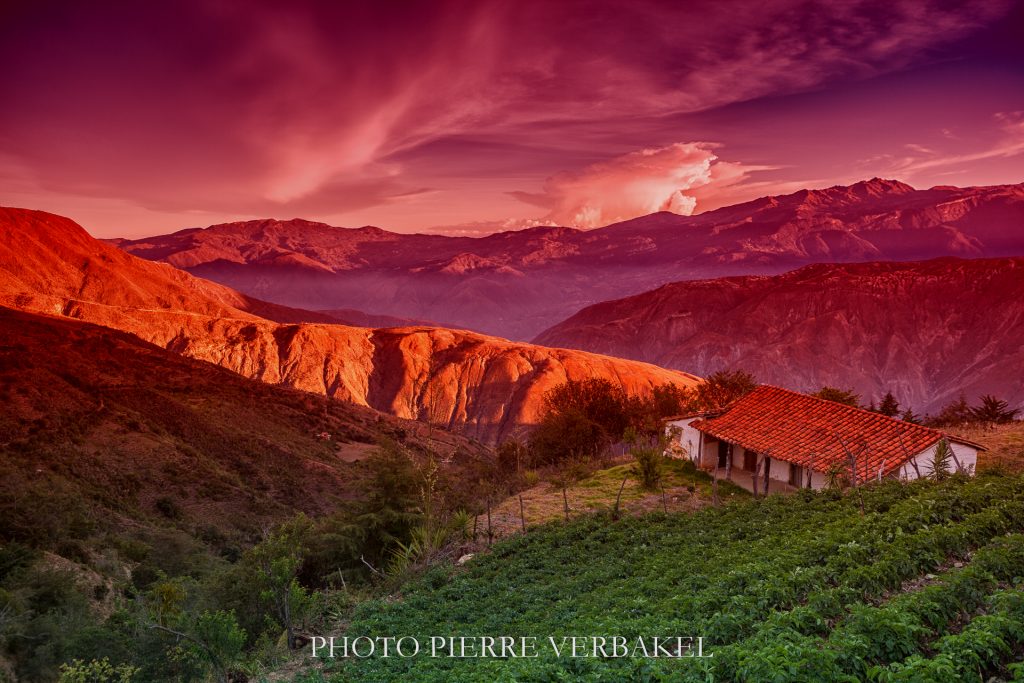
{"points": [[1005, 443], [686, 489]]}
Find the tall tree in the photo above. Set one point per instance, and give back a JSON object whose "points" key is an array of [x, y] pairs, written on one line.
{"points": [[889, 406], [844, 396], [957, 412], [909, 415], [723, 387], [992, 409]]}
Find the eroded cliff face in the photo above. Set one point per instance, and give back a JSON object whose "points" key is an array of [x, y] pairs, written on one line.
{"points": [[484, 387], [925, 330], [515, 284]]}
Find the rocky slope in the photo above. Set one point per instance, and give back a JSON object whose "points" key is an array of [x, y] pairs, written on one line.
{"points": [[515, 284], [926, 330], [484, 387]]}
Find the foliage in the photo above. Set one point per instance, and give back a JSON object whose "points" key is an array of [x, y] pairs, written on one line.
{"points": [[96, 671], [992, 409], [797, 588], [844, 396], [649, 455], [909, 415], [723, 387], [215, 643], [580, 419], [889, 406], [942, 462], [956, 413], [566, 436], [275, 563]]}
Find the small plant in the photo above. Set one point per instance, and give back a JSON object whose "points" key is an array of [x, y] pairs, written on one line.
{"points": [[942, 463], [96, 671]]}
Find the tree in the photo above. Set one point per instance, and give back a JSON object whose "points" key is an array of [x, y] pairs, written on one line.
{"points": [[844, 396], [650, 459], [723, 387], [992, 409], [215, 642], [579, 420], [889, 406], [566, 436], [908, 415], [956, 413], [597, 399], [670, 399], [512, 455], [277, 560], [942, 463]]}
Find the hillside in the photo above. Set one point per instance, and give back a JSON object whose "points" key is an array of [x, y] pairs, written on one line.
{"points": [[515, 284], [925, 330], [792, 589], [99, 427], [483, 386]]}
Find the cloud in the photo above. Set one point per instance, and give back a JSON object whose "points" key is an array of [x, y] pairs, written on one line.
{"points": [[635, 184], [268, 107], [1008, 143]]}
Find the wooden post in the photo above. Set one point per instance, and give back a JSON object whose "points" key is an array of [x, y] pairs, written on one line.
{"points": [[522, 512], [490, 535], [907, 454], [565, 502], [714, 487], [615, 512], [755, 479], [664, 499], [728, 462], [767, 471]]}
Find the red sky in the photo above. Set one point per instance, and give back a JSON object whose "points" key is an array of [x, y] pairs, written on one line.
{"points": [[137, 118]]}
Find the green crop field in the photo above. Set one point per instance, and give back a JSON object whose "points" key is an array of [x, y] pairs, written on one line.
{"points": [[926, 585]]}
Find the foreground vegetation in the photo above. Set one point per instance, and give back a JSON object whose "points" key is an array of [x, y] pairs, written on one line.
{"points": [[926, 585]]}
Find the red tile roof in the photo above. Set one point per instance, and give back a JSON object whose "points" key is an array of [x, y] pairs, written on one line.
{"points": [[812, 432]]}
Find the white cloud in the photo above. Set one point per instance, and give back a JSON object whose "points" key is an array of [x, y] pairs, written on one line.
{"points": [[635, 184]]}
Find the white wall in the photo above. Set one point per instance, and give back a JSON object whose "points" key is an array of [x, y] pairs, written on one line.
{"points": [[689, 439], [967, 455]]}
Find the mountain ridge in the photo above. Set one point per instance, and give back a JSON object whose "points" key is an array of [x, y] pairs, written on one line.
{"points": [[515, 284]]}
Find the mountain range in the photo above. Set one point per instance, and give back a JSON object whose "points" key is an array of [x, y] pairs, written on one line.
{"points": [[927, 331], [516, 284], [484, 387]]}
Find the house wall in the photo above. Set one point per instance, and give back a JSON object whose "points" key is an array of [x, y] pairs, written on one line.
{"points": [[967, 455], [689, 439]]}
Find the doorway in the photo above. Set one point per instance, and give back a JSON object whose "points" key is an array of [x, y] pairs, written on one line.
{"points": [[723, 454], [749, 460]]}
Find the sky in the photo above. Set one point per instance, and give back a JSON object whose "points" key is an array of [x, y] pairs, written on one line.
{"points": [[139, 118]]}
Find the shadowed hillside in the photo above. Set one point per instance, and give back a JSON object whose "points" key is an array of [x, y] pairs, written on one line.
{"points": [[927, 331], [98, 426]]}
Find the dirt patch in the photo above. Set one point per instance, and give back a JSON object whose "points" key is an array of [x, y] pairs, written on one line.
{"points": [[685, 490]]}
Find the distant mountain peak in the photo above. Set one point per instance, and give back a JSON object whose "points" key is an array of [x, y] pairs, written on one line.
{"points": [[880, 186]]}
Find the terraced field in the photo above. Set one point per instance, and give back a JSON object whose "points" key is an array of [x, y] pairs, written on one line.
{"points": [[926, 585]]}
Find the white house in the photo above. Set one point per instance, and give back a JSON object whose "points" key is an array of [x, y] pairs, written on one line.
{"points": [[798, 440]]}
